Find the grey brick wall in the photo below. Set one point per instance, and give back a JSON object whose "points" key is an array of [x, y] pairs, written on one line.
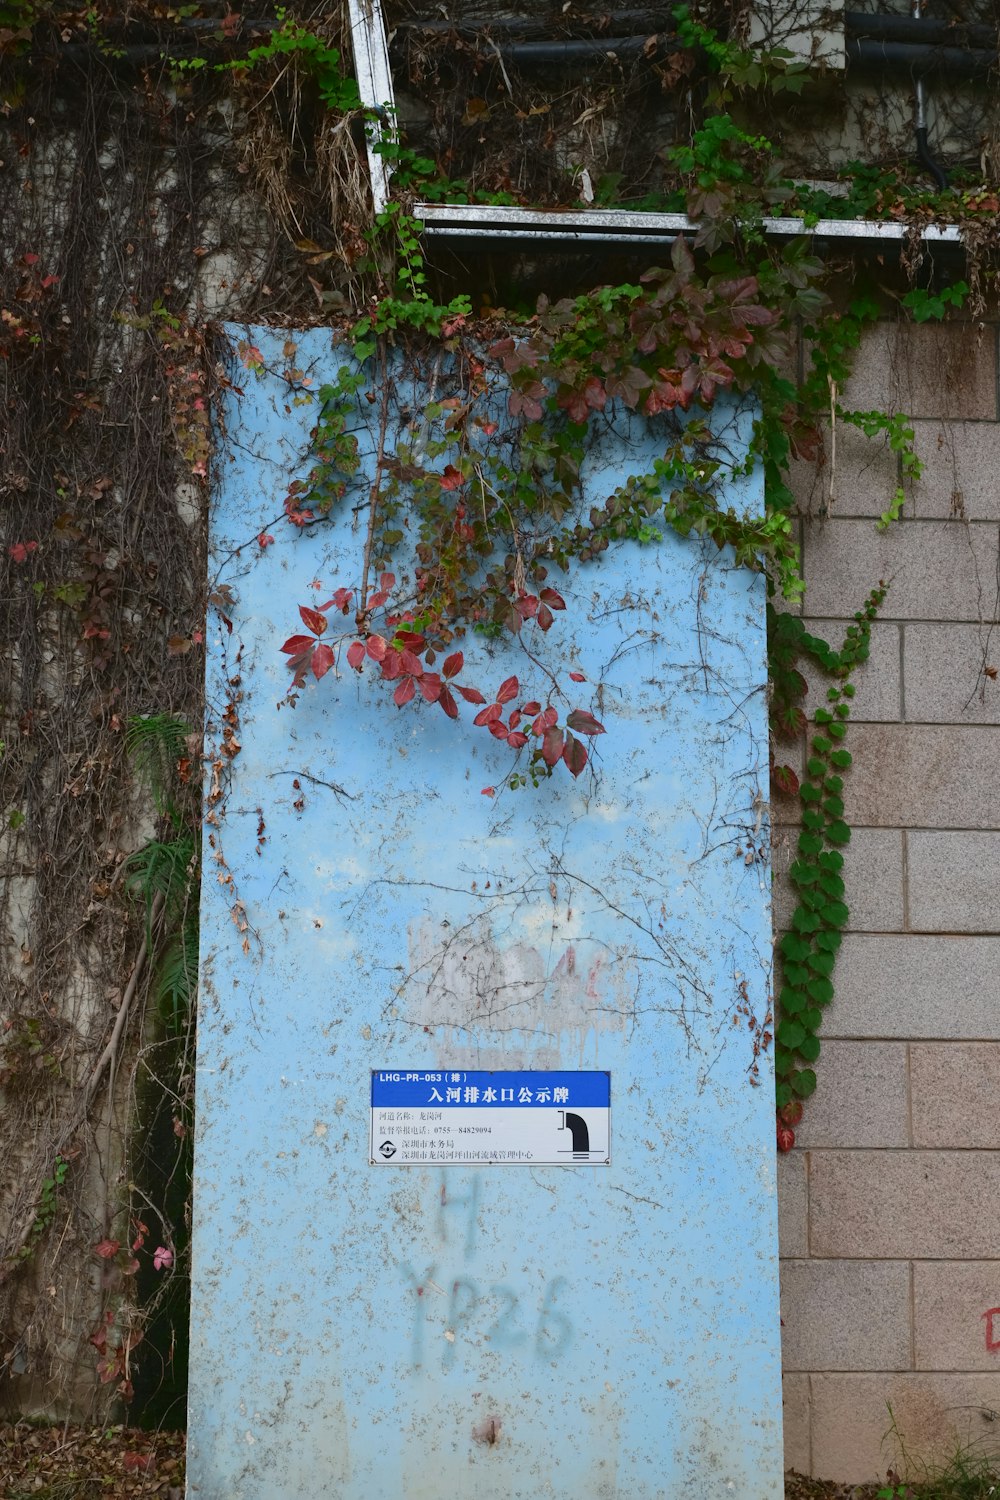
{"points": [[889, 1205]]}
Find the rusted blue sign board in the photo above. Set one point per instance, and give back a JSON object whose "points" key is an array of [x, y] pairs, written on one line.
{"points": [[420, 1272]]}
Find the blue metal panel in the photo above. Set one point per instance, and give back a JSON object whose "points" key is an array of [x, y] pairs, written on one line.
{"points": [[372, 1333]]}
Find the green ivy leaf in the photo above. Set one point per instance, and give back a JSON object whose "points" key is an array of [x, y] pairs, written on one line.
{"points": [[838, 833], [833, 807], [811, 1018], [784, 1061], [829, 941], [809, 1048], [810, 792], [804, 920], [822, 746], [831, 860], [841, 758], [832, 886], [804, 1083], [815, 766], [810, 843], [822, 963], [812, 817], [791, 1001], [801, 873], [823, 716], [821, 990], [835, 913], [836, 731], [790, 1034], [794, 947]]}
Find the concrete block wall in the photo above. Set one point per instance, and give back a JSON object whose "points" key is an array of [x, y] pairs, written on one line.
{"points": [[890, 1201]]}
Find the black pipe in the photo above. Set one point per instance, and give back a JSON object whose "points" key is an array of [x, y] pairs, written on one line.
{"points": [[526, 53], [575, 49], [927, 160], [919, 58], [527, 27], [919, 29]]}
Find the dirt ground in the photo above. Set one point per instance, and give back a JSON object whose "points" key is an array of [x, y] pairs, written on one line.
{"points": [[78, 1463], [58, 1463], [75, 1463]]}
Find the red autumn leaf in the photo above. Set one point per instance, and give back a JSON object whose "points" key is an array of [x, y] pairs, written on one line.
{"points": [[786, 781], [786, 1138], [107, 1249], [376, 647], [411, 663], [451, 479], [627, 386], [404, 692], [322, 661], [430, 686], [552, 746], [447, 702], [517, 739], [387, 582], [391, 665], [514, 719], [471, 695], [497, 729], [552, 599], [356, 655], [487, 791], [791, 1113], [376, 601], [577, 677], [527, 606], [341, 600], [297, 643], [137, 1462], [312, 617], [488, 715], [453, 664], [409, 638], [544, 617], [583, 722], [574, 755], [507, 690]]}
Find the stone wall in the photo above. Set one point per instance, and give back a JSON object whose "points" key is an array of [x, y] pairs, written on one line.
{"points": [[891, 1251]]}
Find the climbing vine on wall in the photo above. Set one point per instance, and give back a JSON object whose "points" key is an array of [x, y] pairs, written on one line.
{"points": [[109, 361]]}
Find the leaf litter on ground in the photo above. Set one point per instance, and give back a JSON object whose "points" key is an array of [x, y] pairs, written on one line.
{"points": [[89, 1463]]}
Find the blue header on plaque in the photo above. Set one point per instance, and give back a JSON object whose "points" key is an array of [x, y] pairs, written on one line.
{"points": [[395, 1089]]}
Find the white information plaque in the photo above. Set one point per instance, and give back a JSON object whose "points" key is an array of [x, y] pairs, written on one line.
{"points": [[515, 1119]]}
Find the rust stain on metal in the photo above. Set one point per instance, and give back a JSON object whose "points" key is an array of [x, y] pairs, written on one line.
{"points": [[487, 1432]]}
